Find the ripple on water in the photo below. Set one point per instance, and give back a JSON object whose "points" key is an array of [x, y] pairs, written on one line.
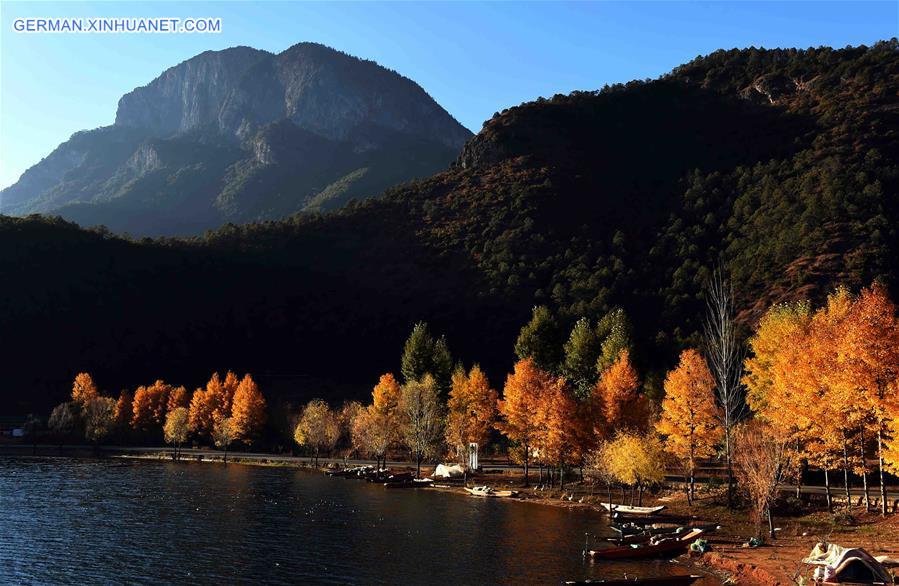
{"points": [[77, 521]]}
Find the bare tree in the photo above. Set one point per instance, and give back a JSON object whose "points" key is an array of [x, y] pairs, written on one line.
{"points": [[765, 460], [423, 419], [724, 355]]}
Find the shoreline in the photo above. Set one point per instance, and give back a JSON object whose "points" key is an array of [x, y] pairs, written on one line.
{"points": [[769, 565]]}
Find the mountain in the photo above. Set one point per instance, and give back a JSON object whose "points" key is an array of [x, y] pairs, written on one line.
{"points": [[779, 164], [242, 135]]}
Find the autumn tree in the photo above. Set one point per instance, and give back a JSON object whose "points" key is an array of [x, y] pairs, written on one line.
{"points": [[382, 422], [581, 353], [422, 417], [176, 428], [690, 416], [637, 461], [65, 419], [84, 389], [124, 410], [616, 396], [179, 397], [558, 441], [348, 413], [223, 434], [471, 410], [422, 355], [201, 414], [764, 462], [248, 410], [521, 401], [150, 406], [870, 351], [312, 429], [541, 340], [99, 418]]}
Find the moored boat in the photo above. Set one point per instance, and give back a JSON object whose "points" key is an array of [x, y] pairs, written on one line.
{"points": [[684, 580], [487, 491], [667, 546], [628, 510]]}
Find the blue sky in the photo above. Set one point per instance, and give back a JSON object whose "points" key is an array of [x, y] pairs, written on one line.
{"points": [[474, 58]]}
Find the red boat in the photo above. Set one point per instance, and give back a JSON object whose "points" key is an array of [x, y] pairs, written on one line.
{"points": [[656, 581], [672, 546]]}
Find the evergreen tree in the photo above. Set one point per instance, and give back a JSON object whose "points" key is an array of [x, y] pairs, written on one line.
{"points": [[423, 355], [581, 353], [616, 333], [540, 340]]}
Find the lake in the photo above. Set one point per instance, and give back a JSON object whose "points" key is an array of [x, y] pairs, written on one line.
{"points": [[141, 522]]}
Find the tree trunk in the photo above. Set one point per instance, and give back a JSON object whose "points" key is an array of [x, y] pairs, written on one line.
{"points": [[640, 493], [609, 487], [226, 454], [691, 491], [798, 476], [827, 490], [883, 488], [526, 483], [561, 477], [846, 476], [771, 524], [418, 465], [864, 472]]}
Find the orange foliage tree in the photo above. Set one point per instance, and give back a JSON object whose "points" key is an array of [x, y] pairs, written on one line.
{"points": [[201, 418], [178, 398], [84, 389], [559, 441], [124, 410], [520, 405], [379, 425], [248, 410], [690, 415], [471, 410], [149, 407], [616, 397]]}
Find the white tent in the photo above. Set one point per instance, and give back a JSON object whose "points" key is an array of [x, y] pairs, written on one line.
{"points": [[453, 471]]}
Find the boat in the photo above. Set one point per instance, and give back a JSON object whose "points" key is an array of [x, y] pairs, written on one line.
{"points": [[647, 535], [684, 580], [490, 492], [628, 510], [668, 546], [410, 483]]}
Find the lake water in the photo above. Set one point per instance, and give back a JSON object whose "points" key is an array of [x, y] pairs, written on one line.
{"points": [[111, 521]]}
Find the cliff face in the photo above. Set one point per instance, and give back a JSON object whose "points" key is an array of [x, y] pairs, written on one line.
{"points": [[261, 120]]}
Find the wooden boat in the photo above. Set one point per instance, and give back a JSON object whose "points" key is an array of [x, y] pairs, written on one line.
{"points": [[655, 581], [486, 491], [646, 536], [670, 546], [627, 510]]}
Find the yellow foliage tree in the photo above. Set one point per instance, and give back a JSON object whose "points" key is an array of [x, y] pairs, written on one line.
{"points": [[471, 410], [248, 410], [311, 431], [176, 428], [637, 461], [870, 351], [690, 416], [84, 389]]}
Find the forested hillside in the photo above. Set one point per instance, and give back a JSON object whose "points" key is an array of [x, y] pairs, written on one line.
{"points": [[781, 164]]}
